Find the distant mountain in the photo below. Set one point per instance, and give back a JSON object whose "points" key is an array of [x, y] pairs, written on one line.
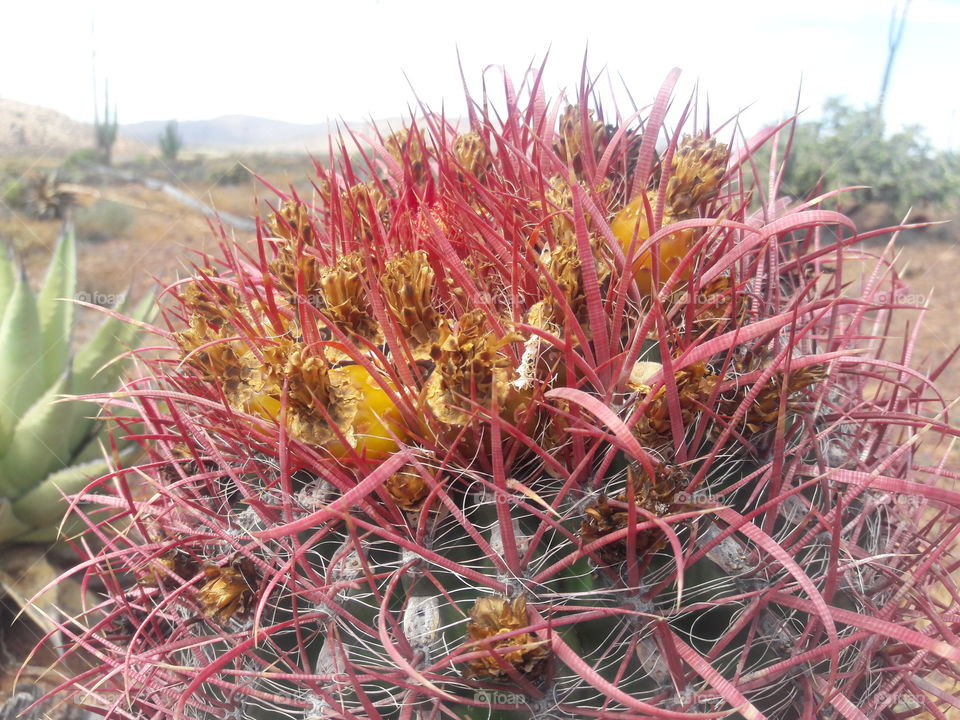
{"points": [[29, 128], [242, 132]]}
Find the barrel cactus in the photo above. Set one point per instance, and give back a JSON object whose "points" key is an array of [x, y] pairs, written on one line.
{"points": [[48, 448], [552, 415]]}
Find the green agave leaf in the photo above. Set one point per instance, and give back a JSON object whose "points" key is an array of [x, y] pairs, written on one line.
{"points": [[91, 447], [56, 315], [21, 370], [93, 371], [44, 505], [112, 337], [10, 525], [51, 533], [7, 278], [40, 442]]}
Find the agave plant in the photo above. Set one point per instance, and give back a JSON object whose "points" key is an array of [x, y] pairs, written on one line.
{"points": [[48, 448], [555, 415]]}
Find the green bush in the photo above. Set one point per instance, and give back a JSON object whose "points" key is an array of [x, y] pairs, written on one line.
{"points": [[848, 146], [80, 157], [14, 193], [236, 175]]}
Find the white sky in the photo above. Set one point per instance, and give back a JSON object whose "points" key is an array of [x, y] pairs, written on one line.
{"points": [[307, 62]]}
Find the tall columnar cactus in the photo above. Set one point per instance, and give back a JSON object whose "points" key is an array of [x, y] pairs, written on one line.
{"points": [[105, 130], [552, 416], [48, 448], [170, 141]]}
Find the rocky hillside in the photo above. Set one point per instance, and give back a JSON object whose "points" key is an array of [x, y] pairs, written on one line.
{"points": [[28, 128]]}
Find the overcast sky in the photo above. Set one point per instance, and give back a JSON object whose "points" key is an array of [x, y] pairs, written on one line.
{"points": [[307, 62]]}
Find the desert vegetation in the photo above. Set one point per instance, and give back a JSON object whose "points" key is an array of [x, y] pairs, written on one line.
{"points": [[851, 147]]}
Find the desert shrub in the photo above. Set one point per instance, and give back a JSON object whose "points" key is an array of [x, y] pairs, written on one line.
{"points": [[848, 146], [84, 156], [104, 220], [237, 174]]}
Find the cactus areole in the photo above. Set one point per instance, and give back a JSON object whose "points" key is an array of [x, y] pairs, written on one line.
{"points": [[552, 412]]}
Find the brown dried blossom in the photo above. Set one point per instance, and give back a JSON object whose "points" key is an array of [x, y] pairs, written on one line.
{"points": [[717, 307], [470, 370], [559, 200], [212, 304], [229, 363], [293, 260], [407, 284], [657, 496], [343, 297], [363, 203], [230, 590], [291, 263], [407, 149], [573, 142], [699, 164], [559, 203], [491, 617], [292, 222], [472, 155], [322, 402], [563, 264], [694, 385], [407, 489], [315, 392], [171, 565], [765, 409]]}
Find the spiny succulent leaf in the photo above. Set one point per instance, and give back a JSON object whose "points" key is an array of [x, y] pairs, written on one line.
{"points": [[97, 369], [115, 335], [21, 368], [44, 504], [8, 277], [41, 439], [60, 529], [26, 579], [11, 526], [55, 305], [98, 426], [105, 343]]}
